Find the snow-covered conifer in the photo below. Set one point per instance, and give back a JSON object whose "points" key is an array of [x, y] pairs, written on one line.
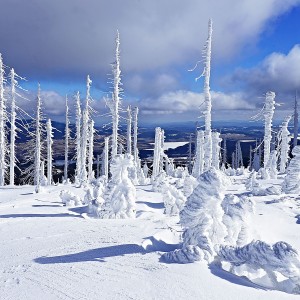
{"points": [[201, 218], [115, 101], [199, 159], [129, 130], [291, 183], [49, 151], [173, 199], [120, 195], [157, 152], [268, 116], [105, 157], [67, 137], [284, 140], [78, 138], [135, 135], [91, 149], [3, 120], [216, 140]]}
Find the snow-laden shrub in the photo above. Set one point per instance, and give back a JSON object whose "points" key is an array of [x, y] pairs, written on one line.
{"points": [[94, 196], [230, 171], [258, 256], [291, 183], [237, 218], [189, 184], [69, 199], [240, 171], [202, 217], [120, 193], [158, 181], [180, 172], [173, 199]]}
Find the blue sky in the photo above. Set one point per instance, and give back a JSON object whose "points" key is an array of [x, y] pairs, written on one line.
{"points": [[59, 42]]}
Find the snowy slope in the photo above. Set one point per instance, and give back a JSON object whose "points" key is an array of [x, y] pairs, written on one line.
{"points": [[50, 251]]}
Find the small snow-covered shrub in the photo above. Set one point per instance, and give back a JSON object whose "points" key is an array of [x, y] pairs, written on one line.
{"points": [[120, 193], [259, 256], [173, 199], [202, 217], [237, 218], [251, 182], [291, 183], [69, 199]]}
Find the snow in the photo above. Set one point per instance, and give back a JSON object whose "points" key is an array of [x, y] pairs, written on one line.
{"points": [[52, 251], [171, 145]]}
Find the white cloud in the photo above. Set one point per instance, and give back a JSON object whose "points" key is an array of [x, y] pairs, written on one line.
{"points": [[186, 101]]}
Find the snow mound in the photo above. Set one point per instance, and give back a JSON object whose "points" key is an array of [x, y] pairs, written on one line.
{"points": [[258, 256], [69, 199]]}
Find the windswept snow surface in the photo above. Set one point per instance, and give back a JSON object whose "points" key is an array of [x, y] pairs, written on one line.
{"points": [[50, 251]]}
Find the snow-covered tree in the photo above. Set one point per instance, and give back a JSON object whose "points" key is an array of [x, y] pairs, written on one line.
{"points": [[115, 101], [135, 135], [129, 130], [49, 151], [201, 219], [270, 170], [296, 121], [224, 157], [173, 199], [105, 157], [268, 116], [38, 138], [13, 128], [85, 132], [157, 152], [120, 195], [284, 140], [199, 159], [78, 138], [189, 184], [67, 137], [291, 183], [216, 148], [238, 211], [91, 150], [3, 120]]}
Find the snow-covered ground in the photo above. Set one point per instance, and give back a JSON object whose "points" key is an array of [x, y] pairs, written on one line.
{"points": [[50, 251]]}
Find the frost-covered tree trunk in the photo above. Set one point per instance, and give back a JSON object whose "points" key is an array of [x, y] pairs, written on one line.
{"points": [[114, 102], [13, 129], [85, 132], [38, 142], [67, 137], [199, 161], [296, 122], [238, 155], [268, 116], [224, 161], [284, 140], [3, 119], [49, 151], [91, 150], [250, 158], [207, 102], [129, 130], [157, 152], [190, 156], [216, 140], [78, 137], [135, 135], [105, 157]]}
